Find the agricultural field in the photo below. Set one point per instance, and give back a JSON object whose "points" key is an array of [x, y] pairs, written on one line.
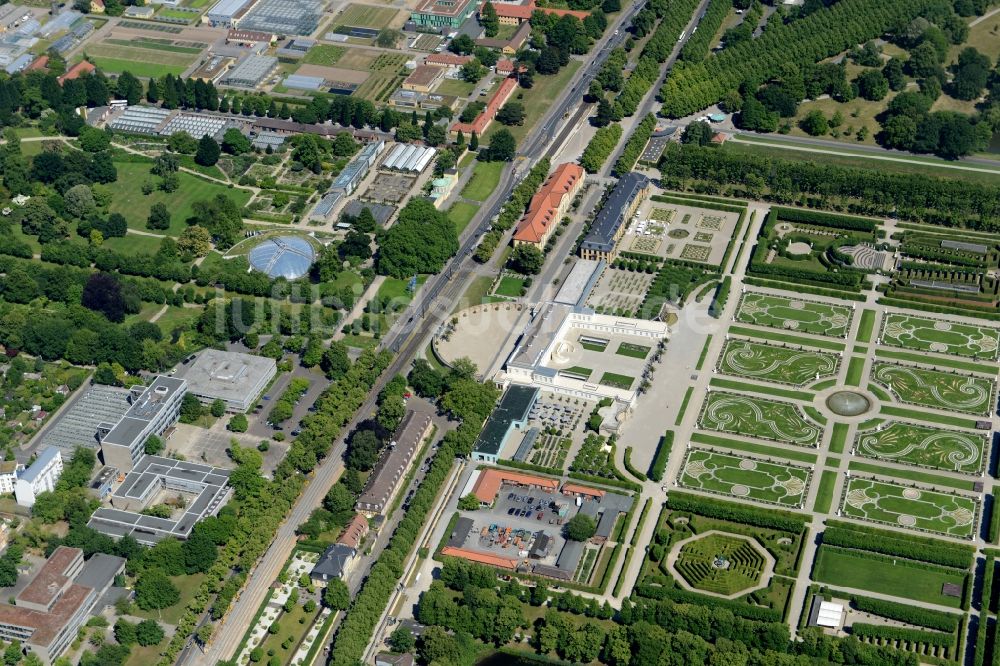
{"points": [[943, 337], [905, 506], [324, 54], [794, 314], [950, 391], [142, 58], [923, 446], [366, 16], [758, 417], [743, 476], [784, 365]]}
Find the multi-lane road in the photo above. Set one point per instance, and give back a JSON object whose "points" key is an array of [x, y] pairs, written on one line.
{"points": [[425, 314]]}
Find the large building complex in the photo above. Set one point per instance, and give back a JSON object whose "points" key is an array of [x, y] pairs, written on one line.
{"points": [[443, 14], [609, 225], [549, 205], [154, 409], [250, 72], [204, 488], [58, 601], [235, 378], [510, 415], [40, 477], [384, 480]]}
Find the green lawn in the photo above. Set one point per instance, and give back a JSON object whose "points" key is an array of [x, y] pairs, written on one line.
{"points": [[633, 350], [839, 438], [455, 87], [924, 334], [924, 446], [147, 70], [134, 244], [787, 312], [704, 353], [188, 585], [866, 326], [943, 419], [855, 370], [898, 505], [128, 199], [912, 475], [292, 625], [509, 286], [537, 100], [938, 389], [760, 388], [896, 577], [784, 337], [941, 362], [616, 380], [176, 316], [824, 495], [761, 449], [460, 214], [783, 365], [485, 177], [684, 404], [763, 418]]}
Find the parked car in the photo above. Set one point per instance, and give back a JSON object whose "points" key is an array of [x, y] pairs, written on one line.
{"points": [[510, 511]]}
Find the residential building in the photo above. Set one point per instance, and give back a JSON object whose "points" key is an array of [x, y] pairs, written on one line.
{"points": [[509, 415], [57, 602], [40, 477], [8, 476], [383, 482], [609, 224], [333, 564], [450, 60], [443, 14], [549, 205], [486, 116], [235, 378], [76, 71], [206, 488], [355, 532], [423, 78], [153, 409], [513, 14], [510, 46]]}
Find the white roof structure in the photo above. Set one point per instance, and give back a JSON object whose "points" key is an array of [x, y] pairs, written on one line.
{"points": [[409, 158], [829, 614]]}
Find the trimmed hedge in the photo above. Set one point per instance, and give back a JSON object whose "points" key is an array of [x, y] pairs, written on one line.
{"points": [[615, 483], [634, 146], [721, 296], [786, 521], [820, 219], [882, 632], [922, 617], [738, 608], [803, 289], [628, 465], [994, 529], [986, 606], [697, 202], [923, 549], [659, 465]]}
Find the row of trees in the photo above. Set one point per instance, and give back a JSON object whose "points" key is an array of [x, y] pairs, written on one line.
{"points": [[512, 210], [948, 202], [823, 33]]}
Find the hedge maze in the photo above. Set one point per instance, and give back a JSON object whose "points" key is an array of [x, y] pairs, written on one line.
{"points": [[784, 365], [923, 446], [758, 417], [794, 314], [936, 388], [935, 335], [743, 476], [905, 506], [720, 563]]}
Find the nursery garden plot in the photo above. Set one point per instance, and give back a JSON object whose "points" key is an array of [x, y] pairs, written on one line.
{"points": [[924, 446], [756, 360], [935, 335], [758, 417], [915, 508], [744, 476], [940, 389], [794, 314]]}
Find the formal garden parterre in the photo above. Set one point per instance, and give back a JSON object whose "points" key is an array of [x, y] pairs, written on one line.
{"points": [[923, 446], [940, 389], [773, 363], [937, 335], [795, 314], [745, 476], [916, 508], [762, 418]]}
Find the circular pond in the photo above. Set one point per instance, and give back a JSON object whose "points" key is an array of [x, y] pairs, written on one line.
{"points": [[848, 403]]}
